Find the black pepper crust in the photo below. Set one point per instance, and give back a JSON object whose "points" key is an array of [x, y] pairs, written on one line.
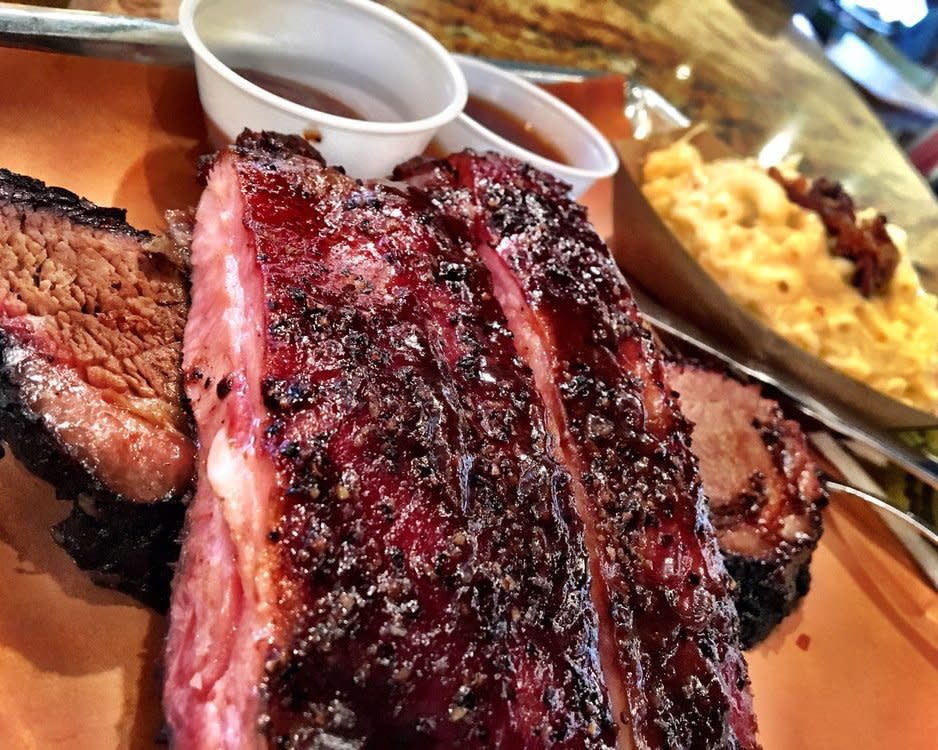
{"points": [[130, 547], [770, 526], [35, 194], [767, 591], [770, 586], [433, 575], [272, 145], [123, 544], [675, 626]]}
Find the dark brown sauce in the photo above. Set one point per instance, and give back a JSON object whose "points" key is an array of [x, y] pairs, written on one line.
{"points": [[512, 128], [300, 93]]}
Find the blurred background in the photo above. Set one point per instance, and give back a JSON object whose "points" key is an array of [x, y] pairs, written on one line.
{"points": [[888, 49], [849, 85]]}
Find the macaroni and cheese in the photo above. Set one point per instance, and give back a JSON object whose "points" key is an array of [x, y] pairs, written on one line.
{"points": [[772, 257]]}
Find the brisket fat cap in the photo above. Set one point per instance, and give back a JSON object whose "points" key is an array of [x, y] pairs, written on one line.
{"points": [[669, 630], [764, 492], [91, 315], [381, 551]]}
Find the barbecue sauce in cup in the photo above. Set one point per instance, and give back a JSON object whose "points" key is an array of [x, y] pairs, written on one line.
{"points": [[299, 93], [512, 128]]}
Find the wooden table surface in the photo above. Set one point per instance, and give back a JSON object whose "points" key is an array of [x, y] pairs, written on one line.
{"points": [[737, 64]]}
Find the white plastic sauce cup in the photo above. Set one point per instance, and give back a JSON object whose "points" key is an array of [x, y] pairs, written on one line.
{"points": [[395, 74], [589, 155]]}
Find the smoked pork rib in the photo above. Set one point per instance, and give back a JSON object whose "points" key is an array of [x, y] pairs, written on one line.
{"points": [[765, 496], [669, 631], [381, 552], [91, 319]]}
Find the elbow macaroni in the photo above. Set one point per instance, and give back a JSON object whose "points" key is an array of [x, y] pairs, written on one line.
{"points": [[771, 256]]}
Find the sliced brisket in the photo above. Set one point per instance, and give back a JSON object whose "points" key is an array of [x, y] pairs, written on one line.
{"points": [[381, 552], [91, 315], [765, 497], [668, 628]]}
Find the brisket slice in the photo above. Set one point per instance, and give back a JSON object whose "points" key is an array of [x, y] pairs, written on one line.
{"points": [[91, 317], [668, 627], [765, 497], [381, 552]]}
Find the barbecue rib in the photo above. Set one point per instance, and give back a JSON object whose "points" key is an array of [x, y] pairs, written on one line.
{"points": [[91, 316], [765, 497], [668, 626], [403, 538], [381, 552]]}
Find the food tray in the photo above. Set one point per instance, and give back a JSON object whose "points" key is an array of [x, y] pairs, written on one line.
{"points": [[855, 667]]}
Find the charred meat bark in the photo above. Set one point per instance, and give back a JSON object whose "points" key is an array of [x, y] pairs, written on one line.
{"points": [[765, 497], [381, 552], [864, 241], [91, 317], [668, 628]]}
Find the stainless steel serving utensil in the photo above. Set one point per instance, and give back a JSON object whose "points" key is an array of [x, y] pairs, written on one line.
{"points": [[78, 32], [147, 40], [926, 530], [919, 545]]}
